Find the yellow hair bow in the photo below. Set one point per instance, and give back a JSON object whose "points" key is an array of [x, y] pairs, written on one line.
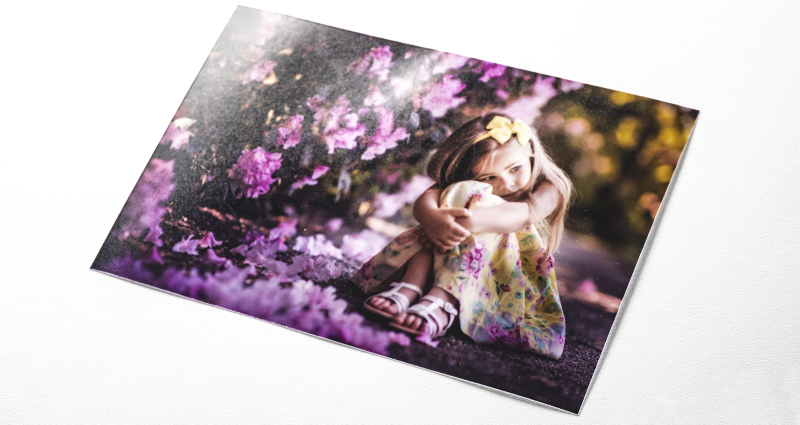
{"points": [[501, 129]]}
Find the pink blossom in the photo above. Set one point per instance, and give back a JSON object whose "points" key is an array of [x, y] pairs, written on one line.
{"points": [[289, 132], [441, 97], [177, 133], [252, 172], [144, 208], [209, 241], [448, 61], [385, 136], [187, 245], [375, 63], [543, 87], [258, 72]]}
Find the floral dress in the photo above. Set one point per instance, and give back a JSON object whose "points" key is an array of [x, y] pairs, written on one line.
{"points": [[504, 283]]}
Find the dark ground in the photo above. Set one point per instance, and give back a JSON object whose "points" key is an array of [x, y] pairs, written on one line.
{"points": [[561, 383]]}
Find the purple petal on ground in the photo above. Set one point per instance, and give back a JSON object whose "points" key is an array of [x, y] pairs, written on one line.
{"points": [[211, 257], [425, 338], [284, 229], [258, 72], [241, 249], [304, 181], [144, 208], [187, 245], [177, 133], [363, 245], [319, 171], [252, 172], [290, 131], [209, 241], [316, 245]]}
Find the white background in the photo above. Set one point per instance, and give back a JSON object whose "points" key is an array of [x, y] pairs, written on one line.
{"points": [[710, 332]]}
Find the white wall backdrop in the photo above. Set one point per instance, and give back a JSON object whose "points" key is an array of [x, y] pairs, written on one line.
{"points": [[711, 329]]}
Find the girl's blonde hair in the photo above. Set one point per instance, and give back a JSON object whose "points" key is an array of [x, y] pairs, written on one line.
{"points": [[458, 155]]}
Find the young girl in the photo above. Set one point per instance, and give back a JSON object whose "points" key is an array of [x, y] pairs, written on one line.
{"points": [[484, 243]]}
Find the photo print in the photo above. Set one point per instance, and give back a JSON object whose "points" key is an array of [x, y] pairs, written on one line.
{"points": [[456, 214]]}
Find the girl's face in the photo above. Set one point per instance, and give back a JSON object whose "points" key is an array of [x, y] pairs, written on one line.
{"points": [[507, 169]]}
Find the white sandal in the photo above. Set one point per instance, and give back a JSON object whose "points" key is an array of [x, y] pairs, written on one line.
{"points": [[394, 295], [434, 326]]}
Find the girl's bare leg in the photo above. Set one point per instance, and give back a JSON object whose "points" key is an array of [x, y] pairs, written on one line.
{"points": [[419, 266], [412, 321]]}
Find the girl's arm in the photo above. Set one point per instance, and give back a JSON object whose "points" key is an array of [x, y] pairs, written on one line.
{"points": [[439, 224], [513, 216]]}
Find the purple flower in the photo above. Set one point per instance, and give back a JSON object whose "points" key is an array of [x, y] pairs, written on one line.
{"points": [[569, 85], [448, 61], [491, 70], [375, 63], [258, 72], [143, 210], [187, 245], [319, 171], [385, 136], [528, 108], [252, 172], [177, 133], [289, 132], [375, 97], [209, 241], [441, 97], [339, 126], [387, 205]]}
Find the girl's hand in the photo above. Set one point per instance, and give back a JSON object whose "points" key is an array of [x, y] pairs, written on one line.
{"points": [[441, 230]]}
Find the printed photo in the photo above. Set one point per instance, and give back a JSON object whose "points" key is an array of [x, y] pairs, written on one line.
{"points": [[456, 214]]}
